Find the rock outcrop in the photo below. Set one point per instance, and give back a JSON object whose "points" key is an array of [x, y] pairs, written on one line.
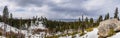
{"points": [[105, 27]]}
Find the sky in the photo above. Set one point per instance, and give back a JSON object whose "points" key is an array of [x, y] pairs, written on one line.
{"points": [[60, 9]]}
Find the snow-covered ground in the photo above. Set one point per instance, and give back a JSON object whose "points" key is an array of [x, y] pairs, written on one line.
{"points": [[27, 33], [117, 35], [92, 34], [33, 26], [66, 37], [8, 28], [39, 26], [2, 37]]}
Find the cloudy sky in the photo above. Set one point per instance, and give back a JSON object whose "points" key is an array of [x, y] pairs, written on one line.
{"points": [[60, 9]]}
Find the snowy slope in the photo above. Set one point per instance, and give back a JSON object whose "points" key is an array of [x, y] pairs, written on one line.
{"points": [[8, 28], [39, 26], [31, 28], [117, 35], [27, 33], [92, 34], [2, 37]]}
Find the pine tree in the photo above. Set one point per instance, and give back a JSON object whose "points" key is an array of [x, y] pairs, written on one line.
{"points": [[11, 16], [0, 18], [5, 12], [106, 16], [100, 18], [11, 20], [5, 16], [91, 20], [79, 20], [116, 13], [20, 26], [82, 27], [86, 20], [118, 18]]}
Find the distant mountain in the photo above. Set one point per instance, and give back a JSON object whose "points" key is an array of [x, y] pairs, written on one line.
{"points": [[65, 20]]}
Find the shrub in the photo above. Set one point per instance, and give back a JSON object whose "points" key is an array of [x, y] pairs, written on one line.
{"points": [[111, 32], [89, 29]]}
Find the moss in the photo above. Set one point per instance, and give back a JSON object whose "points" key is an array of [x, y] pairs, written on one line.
{"points": [[56, 36], [73, 36], [11, 36], [89, 29], [0, 33], [111, 32], [52, 37], [101, 37], [82, 34]]}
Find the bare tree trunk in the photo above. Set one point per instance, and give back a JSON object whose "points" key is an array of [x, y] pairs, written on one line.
{"points": [[82, 25], [4, 20]]}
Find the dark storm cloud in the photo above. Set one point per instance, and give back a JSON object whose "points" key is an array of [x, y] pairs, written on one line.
{"points": [[54, 7], [42, 2], [73, 11], [74, 8], [29, 2]]}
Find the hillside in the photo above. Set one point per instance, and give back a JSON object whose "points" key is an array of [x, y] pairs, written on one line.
{"points": [[8, 29]]}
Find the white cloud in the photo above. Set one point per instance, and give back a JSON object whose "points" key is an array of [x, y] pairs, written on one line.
{"points": [[32, 11], [96, 4], [25, 12], [57, 1]]}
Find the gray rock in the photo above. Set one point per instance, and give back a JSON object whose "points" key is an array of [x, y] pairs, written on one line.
{"points": [[105, 26]]}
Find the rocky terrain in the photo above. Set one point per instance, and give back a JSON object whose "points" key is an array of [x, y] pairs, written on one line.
{"points": [[107, 27]]}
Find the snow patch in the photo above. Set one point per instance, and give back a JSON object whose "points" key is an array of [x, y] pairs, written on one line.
{"points": [[2, 37], [39, 26], [27, 33], [92, 34], [117, 35]]}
